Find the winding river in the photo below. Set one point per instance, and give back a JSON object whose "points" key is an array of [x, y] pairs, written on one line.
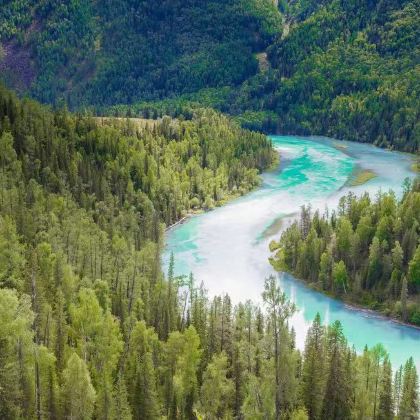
{"points": [[227, 248]]}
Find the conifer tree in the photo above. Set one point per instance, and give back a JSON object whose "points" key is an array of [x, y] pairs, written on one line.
{"points": [[409, 402], [313, 371], [121, 408], [386, 402], [404, 297], [337, 401], [16, 351], [217, 390], [279, 310], [145, 402]]}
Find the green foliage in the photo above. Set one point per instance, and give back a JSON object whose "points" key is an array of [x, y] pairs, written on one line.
{"points": [[409, 403], [314, 369], [217, 390], [342, 69], [346, 70], [78, 392], [90, 328], [114, 52], [366, 251]]}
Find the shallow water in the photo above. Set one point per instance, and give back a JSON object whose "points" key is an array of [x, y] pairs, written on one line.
{"points": [[227, 248]]}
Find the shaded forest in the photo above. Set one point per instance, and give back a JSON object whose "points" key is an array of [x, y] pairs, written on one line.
{"points": [[86, 52]]}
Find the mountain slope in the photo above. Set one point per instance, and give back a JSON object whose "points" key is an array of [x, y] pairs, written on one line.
{"points": [[348, 70], [116, 51]]}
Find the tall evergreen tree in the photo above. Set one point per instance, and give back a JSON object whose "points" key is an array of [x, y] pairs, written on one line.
{"points": [[337, 401], [279, 310], [386, 401], [217, 389], [78, 394], [313, 371], [409, 403]]}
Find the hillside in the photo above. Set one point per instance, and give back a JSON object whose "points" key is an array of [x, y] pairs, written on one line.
{"points": [[346, 69], [349, 70], [108, 52], [367, 253]]}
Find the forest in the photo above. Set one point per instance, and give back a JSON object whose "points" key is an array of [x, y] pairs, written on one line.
{"points": [[344, 69], [90, 327], [366, 252], [83, 52], [347, 70]]}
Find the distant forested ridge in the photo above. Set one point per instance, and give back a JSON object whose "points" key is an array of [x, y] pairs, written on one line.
{"points": [[345, 69], [348, 70], [366, 252], [87, 52]]}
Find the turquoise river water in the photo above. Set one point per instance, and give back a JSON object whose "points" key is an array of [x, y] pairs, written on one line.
{"points": [[227, 248]]}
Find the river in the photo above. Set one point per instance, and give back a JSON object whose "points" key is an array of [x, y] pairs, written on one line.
{"points": [[227, 248]]}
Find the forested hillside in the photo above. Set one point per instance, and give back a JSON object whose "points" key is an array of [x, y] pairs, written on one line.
{"points": [[107, 52], [89, 325], [367, 252], [346, 69]]}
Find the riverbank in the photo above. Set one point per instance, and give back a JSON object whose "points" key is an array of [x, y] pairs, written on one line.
{"points": [[226, 251], [356, 306], [275, 165]]}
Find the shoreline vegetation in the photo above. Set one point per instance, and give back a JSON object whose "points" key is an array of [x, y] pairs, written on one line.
{"points": [[275, 165], [356, 306], [366, 253]]}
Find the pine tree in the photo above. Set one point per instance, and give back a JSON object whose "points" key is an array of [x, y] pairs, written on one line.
{"points": [[337, 401], [140, 372], [414, 269], [404, 297], [16, 350], [121, 409], [313, 372], [279, 310], [409, 403], [145, 402], [217, 390], [398, 380], [386, 402], [60, 331]]}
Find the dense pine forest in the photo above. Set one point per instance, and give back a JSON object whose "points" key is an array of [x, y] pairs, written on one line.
{"points": [[91, 327], [367, 251], [346, 69], [118, 51]]}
